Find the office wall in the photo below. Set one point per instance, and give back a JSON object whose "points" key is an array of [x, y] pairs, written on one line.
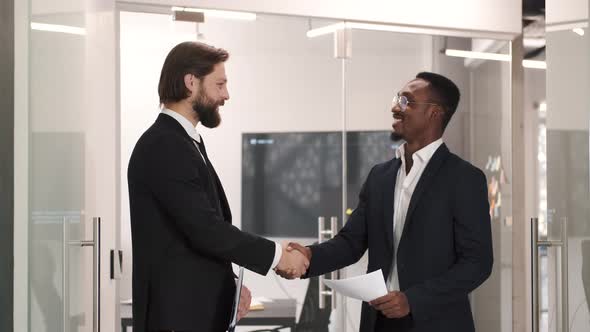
{"points": [[279, 80], [565, 11], [567, 85], [6, 164], [456, 135], [498, 16]]}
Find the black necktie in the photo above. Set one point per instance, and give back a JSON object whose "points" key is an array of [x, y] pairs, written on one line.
{"points": [[211, 171]]}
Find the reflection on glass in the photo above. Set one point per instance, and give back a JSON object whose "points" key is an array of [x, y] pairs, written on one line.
{"points": [[57, 196], [289, 179]]}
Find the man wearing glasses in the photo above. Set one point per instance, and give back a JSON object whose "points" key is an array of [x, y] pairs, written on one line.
{"points": [[423, 216]]}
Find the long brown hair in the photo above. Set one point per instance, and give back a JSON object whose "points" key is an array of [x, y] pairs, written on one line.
{"points": [[187, 58]]}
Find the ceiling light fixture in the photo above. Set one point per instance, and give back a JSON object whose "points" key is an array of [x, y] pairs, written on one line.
{"points": [[58, 28], [225, 14], [410, 29], [477, 55], [366, 26], [531, 64]]}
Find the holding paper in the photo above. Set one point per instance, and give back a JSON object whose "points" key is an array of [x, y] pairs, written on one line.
{"points": [[366, 287], [422, 217]]}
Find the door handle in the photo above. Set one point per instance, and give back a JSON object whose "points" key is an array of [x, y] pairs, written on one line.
{"points": [[562, 244], [95, 244], [323, 235]]}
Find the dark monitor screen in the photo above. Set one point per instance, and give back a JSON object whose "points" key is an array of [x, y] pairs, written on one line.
{"points": [[290, 179]]}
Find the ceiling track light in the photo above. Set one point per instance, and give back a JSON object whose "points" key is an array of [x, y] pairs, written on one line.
{"points": [[223, 14], [184, 16]]}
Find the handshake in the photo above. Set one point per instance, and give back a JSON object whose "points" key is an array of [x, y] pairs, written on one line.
{"points": [[294, 261]]}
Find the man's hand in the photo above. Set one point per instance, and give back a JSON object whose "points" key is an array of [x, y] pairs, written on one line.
{"points": [[293, 247], [245, 299], [304, 250], [393, 305], [293, 264]]}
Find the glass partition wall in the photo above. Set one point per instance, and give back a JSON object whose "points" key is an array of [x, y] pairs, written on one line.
{"points": [[309, 114], [562, 232], [71, 166], [278, 150], [381, 63]]}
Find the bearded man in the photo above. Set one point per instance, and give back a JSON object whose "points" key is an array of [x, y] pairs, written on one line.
{"points": [[182, 237]]}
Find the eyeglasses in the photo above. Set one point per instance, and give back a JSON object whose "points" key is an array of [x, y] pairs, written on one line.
{"points": [[403, 102]]}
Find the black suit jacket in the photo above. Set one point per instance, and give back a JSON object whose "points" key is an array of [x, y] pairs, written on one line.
{"points": [[445, 250], [182, 237]]}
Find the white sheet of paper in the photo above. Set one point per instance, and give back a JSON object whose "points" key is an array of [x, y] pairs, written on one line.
{"points": [[366, 287]]}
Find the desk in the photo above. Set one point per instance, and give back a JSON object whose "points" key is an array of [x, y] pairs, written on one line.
{"points": [[126, 315], [279, 312]]}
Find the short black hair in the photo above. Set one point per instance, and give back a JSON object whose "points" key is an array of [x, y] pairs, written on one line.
{"points": [[187, 58], [444, 91]]}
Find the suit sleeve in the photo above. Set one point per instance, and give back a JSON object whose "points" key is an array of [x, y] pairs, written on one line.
{"points": [[174, 180], [473, 250], [348, 246]]}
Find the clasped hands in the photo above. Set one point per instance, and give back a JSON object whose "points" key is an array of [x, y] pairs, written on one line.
{"points": [[293, 264], [294, 261]]}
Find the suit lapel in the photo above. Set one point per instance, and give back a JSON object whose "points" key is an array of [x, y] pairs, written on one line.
{"points": [[425, 180], [166, 121], [388, 200], [170, 123]]}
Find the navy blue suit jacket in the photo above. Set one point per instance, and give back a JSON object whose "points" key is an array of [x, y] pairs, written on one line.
{"points": [[182, 236], [445, 250]]}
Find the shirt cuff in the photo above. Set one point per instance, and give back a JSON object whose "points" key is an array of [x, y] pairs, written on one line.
{"points": [[278, 255]]}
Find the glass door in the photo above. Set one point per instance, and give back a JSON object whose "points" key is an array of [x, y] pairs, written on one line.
{"points": [[381, 63], [278, 150], [72, 159], [561, 233]]}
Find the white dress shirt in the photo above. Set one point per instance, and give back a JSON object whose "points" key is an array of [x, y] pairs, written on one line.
{"points": [[404, 189], [192, 132]]}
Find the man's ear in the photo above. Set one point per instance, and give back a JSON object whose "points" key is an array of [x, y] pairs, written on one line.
{"points": [[191, 82], [435, 112]]}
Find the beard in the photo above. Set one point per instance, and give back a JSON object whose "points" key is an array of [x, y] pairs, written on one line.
{"points": [[396, 137], [207, 110]]}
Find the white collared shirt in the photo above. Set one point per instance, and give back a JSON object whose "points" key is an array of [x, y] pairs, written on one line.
{"points": [[192, 132], [404, 189], [188, 127]]}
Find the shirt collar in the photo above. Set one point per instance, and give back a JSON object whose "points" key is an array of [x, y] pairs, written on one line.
{"points": [[423, 154], [185, 123]]}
